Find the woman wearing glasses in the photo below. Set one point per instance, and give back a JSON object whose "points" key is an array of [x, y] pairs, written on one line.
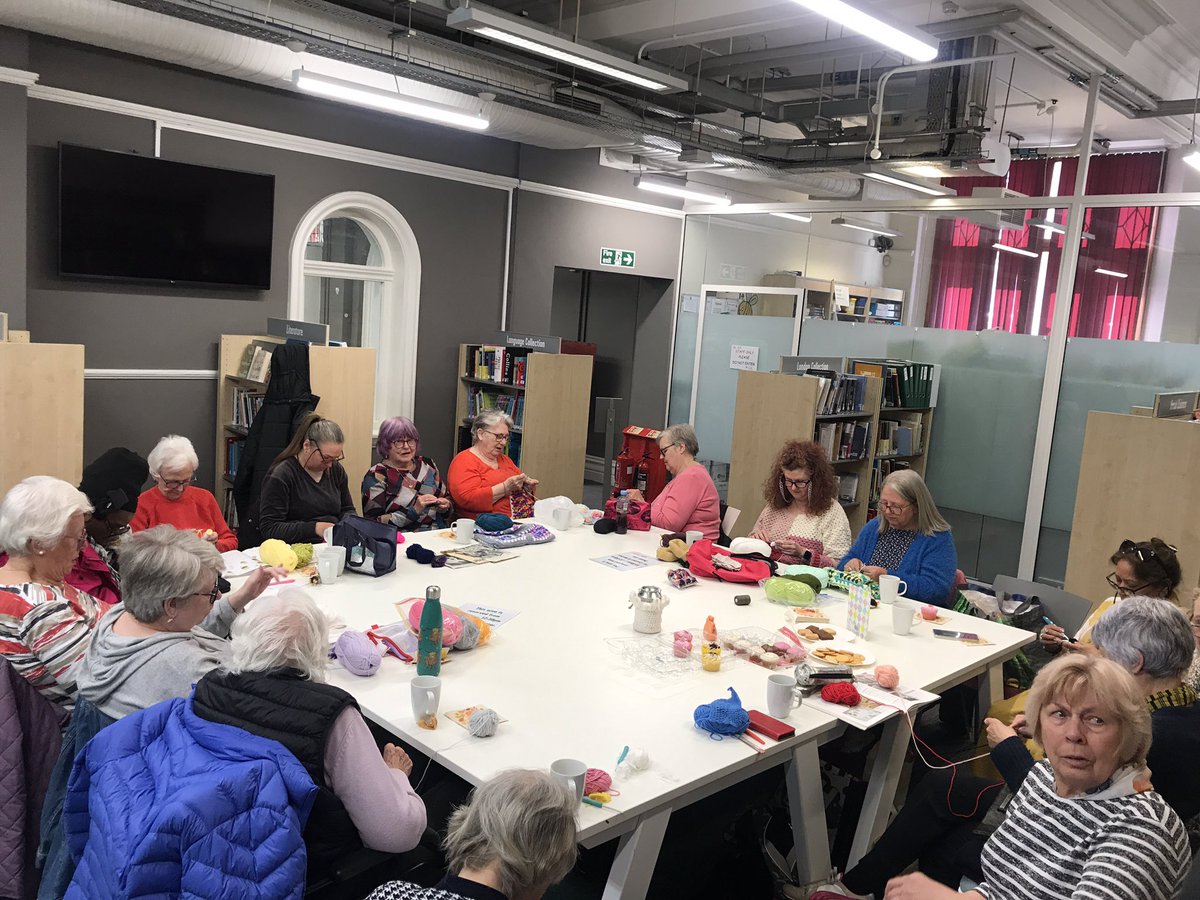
{"points": [[405, 489], [176, 501], [306, 492], [690, 501], [482, 478], [112, 483], [802, 512], [909, 539]]}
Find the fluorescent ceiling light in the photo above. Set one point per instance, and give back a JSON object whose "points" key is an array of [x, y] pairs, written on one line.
{"points": [[1112, 273], [1049, 227], [681, 189], [544, 43], [864, 225], [1007, 249], [388, 101], [913, 43], [924, 170], [898, 180], [1191, 155], [795, 217]]}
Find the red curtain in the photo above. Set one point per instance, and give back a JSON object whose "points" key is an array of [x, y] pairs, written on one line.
{"points": [[975, 286]]}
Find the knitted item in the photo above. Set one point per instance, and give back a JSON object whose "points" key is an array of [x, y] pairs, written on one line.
{"points": [[723, 716], [841, 692], [828, 534], [419, 554], [357, 654]]}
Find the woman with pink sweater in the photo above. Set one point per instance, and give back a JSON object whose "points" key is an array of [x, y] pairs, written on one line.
{"points": [[689, 502]]}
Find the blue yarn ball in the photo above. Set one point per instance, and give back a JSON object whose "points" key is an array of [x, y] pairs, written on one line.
{"points": [[493, 522], [724, 716]]}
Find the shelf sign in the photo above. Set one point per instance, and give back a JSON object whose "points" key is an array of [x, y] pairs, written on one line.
{"points": [[291, 330], [841, 296], [545, 343], [745, 358], [620, 259]]}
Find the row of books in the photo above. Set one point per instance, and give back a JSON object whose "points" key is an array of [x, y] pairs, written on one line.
{"points": [[844, 440], [847, 487], [499, 364], [480, 399], [246, 404], [905, 384], [900, 437], [881, 470], [839, 393], [229, 509], [233, 454], [256, 363]]}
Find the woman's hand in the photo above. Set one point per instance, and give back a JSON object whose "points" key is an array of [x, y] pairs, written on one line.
{"points": [[321, 528], [1052, 637], [424, 501], [873, 572], [443, 503], [256, 582], [513, 483], [635, 495], [789, 547], [395, 758], [918, 886], [998, 732], [1020, 725], [854, 565]]}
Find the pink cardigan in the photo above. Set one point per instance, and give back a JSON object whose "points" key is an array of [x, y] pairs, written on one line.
{"points": [[689, 502]]}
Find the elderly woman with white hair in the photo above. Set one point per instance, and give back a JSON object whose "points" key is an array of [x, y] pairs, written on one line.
{"points": [[513, 840], [171, 626], [908, 539], [482, 478], [176, 501], [46, 623], [272, 684]]}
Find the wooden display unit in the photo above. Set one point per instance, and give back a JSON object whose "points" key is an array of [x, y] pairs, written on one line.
{"points": [[344, 379], [1137, 480], [877, 305], [551, 407], [773, 408], [41, 401], [917, 459]]}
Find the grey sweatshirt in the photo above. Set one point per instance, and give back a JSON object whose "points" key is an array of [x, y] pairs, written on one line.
{"points": [[121, 675]]}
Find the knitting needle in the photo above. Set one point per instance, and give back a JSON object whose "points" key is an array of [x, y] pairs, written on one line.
{"points": [[745, 739], [621, 758]]}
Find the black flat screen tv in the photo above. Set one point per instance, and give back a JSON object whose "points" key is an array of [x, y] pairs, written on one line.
{"points": [[137, 218]]}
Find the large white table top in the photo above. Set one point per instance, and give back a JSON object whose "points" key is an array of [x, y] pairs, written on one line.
{"points": [[552, 673]]}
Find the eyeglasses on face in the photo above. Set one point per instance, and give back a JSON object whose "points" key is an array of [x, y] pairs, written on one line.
{"points": [[115, 530], [213, 596], [662, 451], [501, 437], [889, 506], [405, 442], [1127, 590], [175, 484], [328, 460], [795, 483]]}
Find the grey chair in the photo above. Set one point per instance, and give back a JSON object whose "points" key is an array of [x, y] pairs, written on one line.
{"points": [[1067, 610]]}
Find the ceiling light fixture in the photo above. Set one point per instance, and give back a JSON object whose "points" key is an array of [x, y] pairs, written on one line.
{"points": [[500, 28], [387, 101], [864, 225], [1007, 249], [1112, 273], [924, 170], [1191, 153], [898, 180], [795, 217], [681, 189], [911, 43]]}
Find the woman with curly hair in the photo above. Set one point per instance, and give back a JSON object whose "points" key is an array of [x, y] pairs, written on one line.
{"points": [[802, 515]]}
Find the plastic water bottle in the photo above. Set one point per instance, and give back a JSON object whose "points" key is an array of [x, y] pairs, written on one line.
{"points": [[622, 506], [429, 644]]}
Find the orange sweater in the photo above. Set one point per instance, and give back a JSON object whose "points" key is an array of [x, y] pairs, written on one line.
{"points": [[471, 481], [196, 510]]}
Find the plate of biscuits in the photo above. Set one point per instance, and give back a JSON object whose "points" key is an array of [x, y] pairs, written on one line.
{"points": [[840, 656], [815, 633]]}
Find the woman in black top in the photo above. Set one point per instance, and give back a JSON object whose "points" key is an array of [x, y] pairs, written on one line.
{"points": [[306, 492]]}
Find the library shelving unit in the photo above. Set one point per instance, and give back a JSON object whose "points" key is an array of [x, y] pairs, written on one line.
{"points": [[547, 395], [773, 408], [41, 399], [344, 379], [877, 305]]}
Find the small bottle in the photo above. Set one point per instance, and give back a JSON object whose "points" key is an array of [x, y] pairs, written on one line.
{"points": [[622, 507], [429, 644]]}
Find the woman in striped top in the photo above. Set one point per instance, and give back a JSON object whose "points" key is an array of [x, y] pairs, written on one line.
{"points": [[45, 623], [1086, 823]]}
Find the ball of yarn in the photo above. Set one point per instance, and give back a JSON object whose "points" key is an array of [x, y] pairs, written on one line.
{"points": [[637, 759], [483, 723], [596, 780], [470, 635], [439, 561], [357, 653], [420, 554], [493, 522], [604, 526], [723, 716], [452, 623], [841, 692], [787, 591], [887, 677]]}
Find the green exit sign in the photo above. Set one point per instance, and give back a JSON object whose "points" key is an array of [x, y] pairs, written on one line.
{"points": [[621, 259]]}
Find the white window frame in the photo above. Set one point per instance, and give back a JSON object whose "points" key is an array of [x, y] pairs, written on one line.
{"points": [[399, 272]]}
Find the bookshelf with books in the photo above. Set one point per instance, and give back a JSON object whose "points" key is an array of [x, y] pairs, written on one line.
{"points": [[546, 394], [839, 411]]}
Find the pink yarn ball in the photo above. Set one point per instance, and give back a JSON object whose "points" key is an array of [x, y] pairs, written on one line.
{"points": [[596, 780], [887, 677], [452, 626]]}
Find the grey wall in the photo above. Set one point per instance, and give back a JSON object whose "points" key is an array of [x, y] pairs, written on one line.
{"points": [[13, 116]]}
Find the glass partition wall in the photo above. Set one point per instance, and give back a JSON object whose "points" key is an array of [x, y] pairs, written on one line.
{"points": [[977, 283]]}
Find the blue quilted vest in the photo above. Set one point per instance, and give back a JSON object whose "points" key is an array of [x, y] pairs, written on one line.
{"points": [[165, 803]]}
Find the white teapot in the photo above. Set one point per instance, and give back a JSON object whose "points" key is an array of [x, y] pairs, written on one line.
{"points": [[648, 604]]}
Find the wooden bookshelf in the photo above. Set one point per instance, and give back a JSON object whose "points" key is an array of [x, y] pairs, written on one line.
{"points": [[916, 460], [550, 440], [41, 401], [773, 408]]}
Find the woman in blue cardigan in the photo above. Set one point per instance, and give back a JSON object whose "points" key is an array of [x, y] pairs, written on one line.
{"points": [[909, 539]]}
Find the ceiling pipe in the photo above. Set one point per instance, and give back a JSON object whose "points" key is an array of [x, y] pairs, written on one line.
{"points": [[679, 40]]}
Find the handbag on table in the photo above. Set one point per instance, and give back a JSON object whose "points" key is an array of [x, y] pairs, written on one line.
{"points": [[638, 517], [370, 545]]}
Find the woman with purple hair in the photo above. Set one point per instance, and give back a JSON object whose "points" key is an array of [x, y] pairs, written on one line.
{"points": [[405, 488]]}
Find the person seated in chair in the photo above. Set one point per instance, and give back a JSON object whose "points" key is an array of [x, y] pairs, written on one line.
{"points": [[689, 502]]}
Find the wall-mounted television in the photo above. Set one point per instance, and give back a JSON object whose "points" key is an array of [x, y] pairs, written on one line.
{"points": [[137, 218]]}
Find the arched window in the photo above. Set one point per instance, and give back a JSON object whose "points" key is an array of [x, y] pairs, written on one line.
{"points": [[355, 267]]}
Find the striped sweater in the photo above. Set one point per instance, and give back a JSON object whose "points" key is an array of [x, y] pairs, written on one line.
{"points": [[44, 633], [1130, 847]]}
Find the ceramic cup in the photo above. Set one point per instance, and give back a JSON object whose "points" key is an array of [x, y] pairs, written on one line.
{"points": [[340, 554], [693, 536], [464, 531], [890, 588], [426, 694], [902, 617], [327, 567], [782, 696], [572, 773], [561, 518]]}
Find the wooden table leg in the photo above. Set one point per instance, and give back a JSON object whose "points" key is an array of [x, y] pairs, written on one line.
{"points": [[637, 853]]}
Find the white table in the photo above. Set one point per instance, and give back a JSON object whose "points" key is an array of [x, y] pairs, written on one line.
{"points": [[552, 673]]}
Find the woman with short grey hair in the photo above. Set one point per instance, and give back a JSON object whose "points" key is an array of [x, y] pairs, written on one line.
{"points": [[171, 627], [689, 502], [175, 500], [514, 839], [482, 478]]}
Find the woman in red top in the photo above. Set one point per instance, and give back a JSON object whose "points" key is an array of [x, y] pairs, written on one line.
{"points": [[482, 478], [176, 501]]}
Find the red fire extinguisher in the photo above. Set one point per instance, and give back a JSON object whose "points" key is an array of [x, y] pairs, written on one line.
{"points": [[624, 479], [642, 475]]}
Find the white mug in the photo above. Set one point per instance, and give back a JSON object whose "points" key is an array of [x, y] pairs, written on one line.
{"points": [[339, 553], [426, 693], [464, 531], [891, 588], [327, 567], [572, 773], [693, 536], [782, 695], [561, 518], [902, 617]]}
